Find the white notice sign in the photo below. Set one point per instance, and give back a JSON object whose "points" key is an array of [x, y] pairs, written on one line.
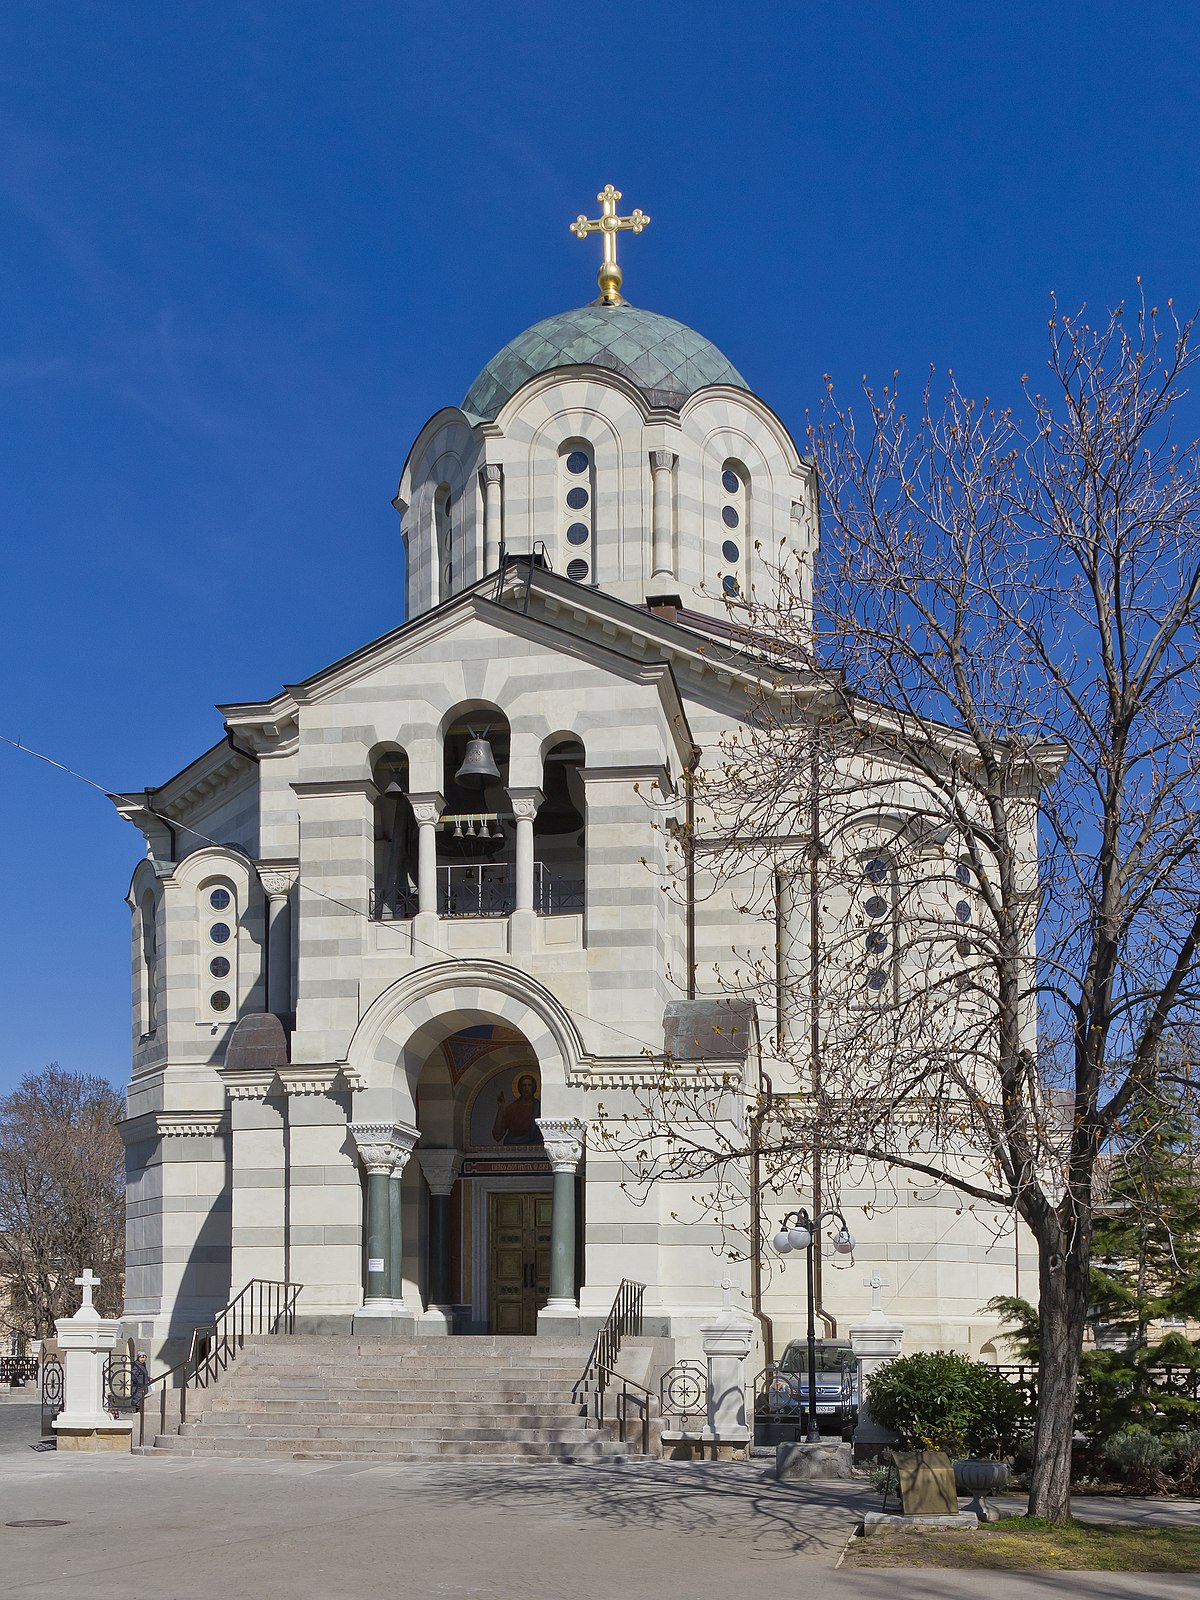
{"points": [[375, 1264]]}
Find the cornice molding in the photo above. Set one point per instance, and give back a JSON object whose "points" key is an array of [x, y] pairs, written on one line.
{"points": [[173, 1125], [305, 1078], [242, 1083], [635, 1072]]}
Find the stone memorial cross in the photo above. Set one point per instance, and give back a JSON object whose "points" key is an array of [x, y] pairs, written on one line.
{"points": [[87, 1281]]}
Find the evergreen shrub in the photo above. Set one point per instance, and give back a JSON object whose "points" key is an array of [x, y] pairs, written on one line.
{"points": [[936, 1400]]}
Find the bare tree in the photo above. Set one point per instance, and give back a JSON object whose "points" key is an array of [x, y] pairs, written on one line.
{"points": [[62, 1196], [971, 807]]}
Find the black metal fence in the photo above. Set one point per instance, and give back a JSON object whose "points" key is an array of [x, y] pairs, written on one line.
{"points": [[16, 1370], [52, 1393], [683, 1392]]}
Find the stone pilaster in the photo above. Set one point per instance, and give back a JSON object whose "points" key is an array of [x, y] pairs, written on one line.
{"points": [[441, 1168], [491, 477], [278, 883], [662, 469]]}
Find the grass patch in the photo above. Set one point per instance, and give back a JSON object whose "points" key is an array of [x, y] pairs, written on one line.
{"points": [[1016, 1543]]}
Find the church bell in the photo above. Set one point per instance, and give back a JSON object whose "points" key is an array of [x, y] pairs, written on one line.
{"points": [[479, 766]]}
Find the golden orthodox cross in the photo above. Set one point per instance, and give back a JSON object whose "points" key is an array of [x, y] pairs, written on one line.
{"points": [[608, 224]]}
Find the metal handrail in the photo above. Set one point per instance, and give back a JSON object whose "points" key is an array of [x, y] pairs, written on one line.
{"points": [[476, 889], [553, 896], [265, 1305], [623, 1320], [626, 1391]]}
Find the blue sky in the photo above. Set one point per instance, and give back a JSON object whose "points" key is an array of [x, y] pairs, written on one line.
{"points": [[247, 249]]}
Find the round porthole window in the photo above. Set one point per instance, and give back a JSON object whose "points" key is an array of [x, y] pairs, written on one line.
{"points": [[730, 482], [219, 899], [578, 533], [963, 946], [577, 498], [577, 570], [730, 551], [730, 586], [729, 517], [876, 870], [876, 906], [577, 461], [219, 932], [876, 980], [876, 942], [962, 874], [219, 967], [219, 1000], [963, 911]]}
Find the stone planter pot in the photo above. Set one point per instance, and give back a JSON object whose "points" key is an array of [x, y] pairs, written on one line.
{"points": [[979, 1479]]}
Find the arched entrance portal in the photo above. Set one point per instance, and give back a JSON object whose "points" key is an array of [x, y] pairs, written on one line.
{"points": [[491, 1201], [482, 1232]]}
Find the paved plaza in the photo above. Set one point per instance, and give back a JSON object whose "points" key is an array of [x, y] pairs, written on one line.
{"points": [[175, 1528]]}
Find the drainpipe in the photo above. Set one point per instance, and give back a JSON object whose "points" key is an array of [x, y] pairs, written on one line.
{"points": [[689, 778], [814, 1013], [756, 1305]]}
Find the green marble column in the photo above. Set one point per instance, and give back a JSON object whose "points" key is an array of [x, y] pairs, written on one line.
{"points": [[395, 1255], [564, 1146], [562, 1240], [378, 1233]]}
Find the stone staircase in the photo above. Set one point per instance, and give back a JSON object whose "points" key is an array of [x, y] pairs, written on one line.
{"points": [[343, 1398]]}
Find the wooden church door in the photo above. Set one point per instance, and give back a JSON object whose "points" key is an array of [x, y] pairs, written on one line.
{"points": [[518, 1260]]}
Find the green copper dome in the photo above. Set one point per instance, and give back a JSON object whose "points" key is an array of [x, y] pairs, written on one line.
{"points": [[666, 361]]}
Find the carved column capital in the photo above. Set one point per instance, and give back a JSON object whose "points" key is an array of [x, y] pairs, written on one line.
{"points": [[427, 808], [403, 1140], [277, 881], [525, 803], [383, 1147], [564, 1141], [663, 460], [441, 1168], [491, 472]]}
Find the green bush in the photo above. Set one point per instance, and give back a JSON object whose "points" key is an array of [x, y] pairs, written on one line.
{"points": [[1185, 1461], [1140, 1459], [936, 1400]]}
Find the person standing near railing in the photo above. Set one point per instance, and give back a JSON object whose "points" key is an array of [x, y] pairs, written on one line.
{"points": [[139, 1379]]}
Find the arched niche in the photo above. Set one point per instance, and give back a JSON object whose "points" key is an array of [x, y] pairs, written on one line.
{"points": [[395, 887], [560, 828]]}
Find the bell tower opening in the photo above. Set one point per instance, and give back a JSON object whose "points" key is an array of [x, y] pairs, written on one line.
{"points": [[476, 850]]}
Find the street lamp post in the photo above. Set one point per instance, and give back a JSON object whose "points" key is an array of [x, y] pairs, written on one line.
{"points": [[799, 1231]]}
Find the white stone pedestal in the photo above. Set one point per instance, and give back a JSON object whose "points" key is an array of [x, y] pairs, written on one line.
{"points": [[874, 1341], [727, 1339], [85, 1342]]}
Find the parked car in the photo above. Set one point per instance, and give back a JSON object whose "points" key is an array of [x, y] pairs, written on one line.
{"points": [[782, 1401]]}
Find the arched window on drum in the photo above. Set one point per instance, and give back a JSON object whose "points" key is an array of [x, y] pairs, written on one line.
{"points": [[964, 902], [733, 532], [877, 922], [443, 534], [149, 928], [217, 912], [576, 510]]}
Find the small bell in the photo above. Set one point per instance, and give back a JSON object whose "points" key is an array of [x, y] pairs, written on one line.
{"points": [[458, 828], [479, 765]]}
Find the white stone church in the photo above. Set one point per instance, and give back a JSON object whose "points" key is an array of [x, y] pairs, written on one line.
{"points": [[403, 927]]}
